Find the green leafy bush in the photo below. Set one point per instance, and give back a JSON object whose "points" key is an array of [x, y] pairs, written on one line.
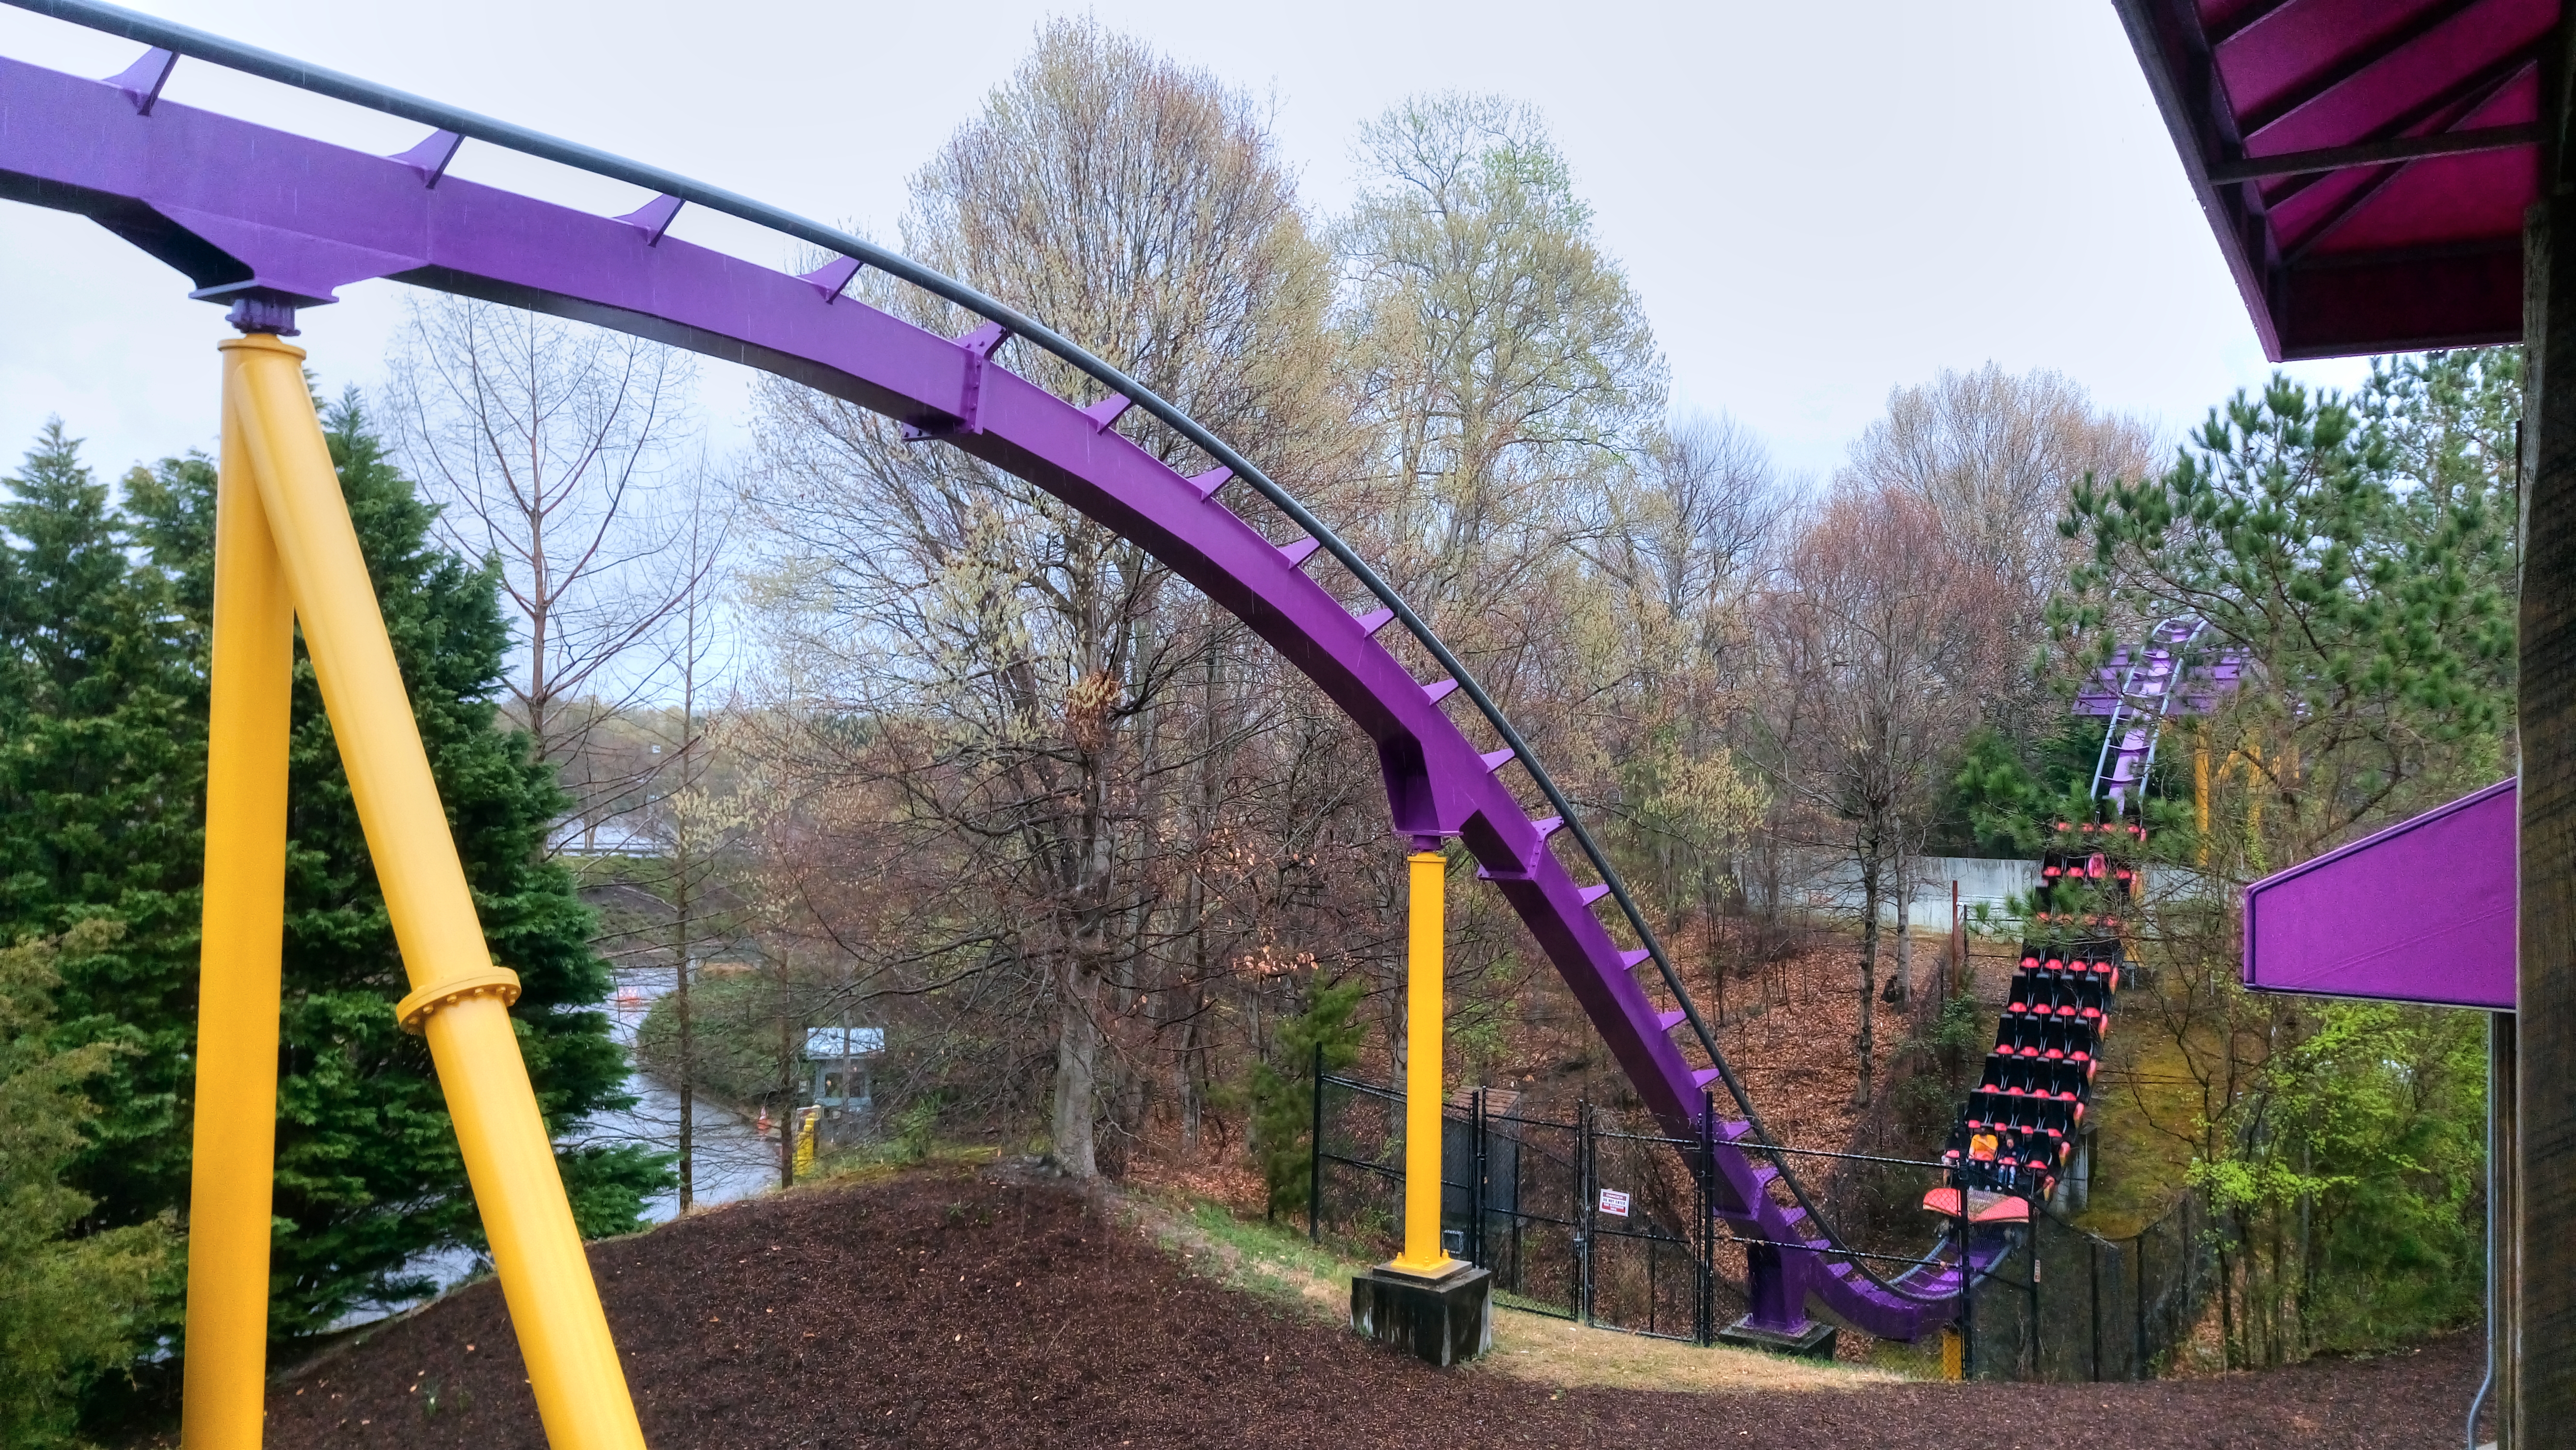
{"points": [[72, 1305]]}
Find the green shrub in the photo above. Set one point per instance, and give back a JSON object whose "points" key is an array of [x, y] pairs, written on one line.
{"points": [[1283, 1096], [70, 1304]]}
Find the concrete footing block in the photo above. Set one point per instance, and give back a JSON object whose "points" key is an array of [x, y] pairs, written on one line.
{"points": [[1814, 1341], [1443, 1321]]}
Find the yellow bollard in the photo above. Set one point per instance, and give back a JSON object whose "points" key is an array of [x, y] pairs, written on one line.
{"points": [[459, 999], [235, 1150], [1425, 938]]}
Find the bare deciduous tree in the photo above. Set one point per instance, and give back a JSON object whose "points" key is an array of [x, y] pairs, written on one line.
{"points": [[1881, 639], [1995, 456], [1029, 666], [548, 445], [692, 826], [1501, 357]]}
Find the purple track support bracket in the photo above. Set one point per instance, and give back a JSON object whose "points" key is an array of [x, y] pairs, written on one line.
{"points": [[654, 218], [431, 157], [142, 81], [1107, 411], [249, 213], [834, 276], [965, 418]]}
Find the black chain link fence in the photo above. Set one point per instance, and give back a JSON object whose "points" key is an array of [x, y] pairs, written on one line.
{"points": [[1523, 1195], [2100, 1309], [1584, 1218]]}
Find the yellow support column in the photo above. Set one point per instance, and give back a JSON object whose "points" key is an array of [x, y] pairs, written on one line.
{"points": [[234, 1162], [1426, 935], [459, 998], [2200, 789], [2254, 787]]}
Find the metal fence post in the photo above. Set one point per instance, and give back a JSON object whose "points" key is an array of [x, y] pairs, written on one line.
{"points": [[2138, 1305], [1476, 1178], [2093, 1287], [1584, 1170], [1967, 1290], [2030, 1345], [1706, 1329], [1315, 1158]]}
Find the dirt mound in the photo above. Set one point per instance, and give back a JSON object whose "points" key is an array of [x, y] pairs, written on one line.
{"points": [[941, 1308]]}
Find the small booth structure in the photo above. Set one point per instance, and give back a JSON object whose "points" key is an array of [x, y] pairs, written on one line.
{"points": [[840, 1061]]}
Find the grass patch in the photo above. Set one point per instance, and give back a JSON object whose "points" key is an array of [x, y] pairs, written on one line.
{"points": [[1566, 1355], [1261, 1257], [1275, 1261]]}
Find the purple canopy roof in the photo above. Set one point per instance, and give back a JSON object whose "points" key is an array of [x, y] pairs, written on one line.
{"points": [[2365, 163]]}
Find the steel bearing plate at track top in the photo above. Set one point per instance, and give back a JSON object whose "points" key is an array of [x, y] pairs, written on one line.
{"points": [[245, 210]]}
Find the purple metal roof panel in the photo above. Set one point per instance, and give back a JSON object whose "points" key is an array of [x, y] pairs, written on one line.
{"points": [[2421, 912], [2364, 163]]}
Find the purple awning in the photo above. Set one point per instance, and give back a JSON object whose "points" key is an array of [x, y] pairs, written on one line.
{"points": [[2421, 912], [2364, 163]]}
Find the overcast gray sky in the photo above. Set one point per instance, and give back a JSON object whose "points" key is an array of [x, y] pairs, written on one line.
{"points": [[1817, 201]]}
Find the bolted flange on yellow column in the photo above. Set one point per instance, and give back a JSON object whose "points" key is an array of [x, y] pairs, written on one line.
{"points": [[459, 999], [1425, 938]]}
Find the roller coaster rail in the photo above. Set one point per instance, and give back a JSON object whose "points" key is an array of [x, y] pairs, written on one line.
{"points": [[1897, 1309]]}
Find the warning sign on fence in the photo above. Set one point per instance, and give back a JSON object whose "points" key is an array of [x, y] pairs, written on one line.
{"points": [[1614, 1203]]}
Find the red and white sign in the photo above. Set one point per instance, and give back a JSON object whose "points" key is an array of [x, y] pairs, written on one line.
{"points": [[1614, 1203]]}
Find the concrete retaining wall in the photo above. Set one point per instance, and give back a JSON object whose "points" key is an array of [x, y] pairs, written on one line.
{"points": [[1835, 886]]}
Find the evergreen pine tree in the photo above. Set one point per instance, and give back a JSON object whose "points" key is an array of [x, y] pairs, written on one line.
{"points": [[368, 1170], [2359, 553], [101, 762], [1283, 1094]]}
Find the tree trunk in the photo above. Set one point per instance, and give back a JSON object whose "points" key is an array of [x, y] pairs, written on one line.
{"points": [[681, 1018], [1868, 1042], [786, 1088], [1077, 1076], [685, 1028], [1904, 984], [1184, 1079]]}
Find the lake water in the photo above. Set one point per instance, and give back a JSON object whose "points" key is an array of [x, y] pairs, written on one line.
{"points": [[733, 1160]]}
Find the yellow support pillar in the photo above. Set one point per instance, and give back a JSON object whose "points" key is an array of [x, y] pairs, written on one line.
{"points": [[1426, 936], [459, 999], [234, 1163], [2254, 784], [2200, 790]]}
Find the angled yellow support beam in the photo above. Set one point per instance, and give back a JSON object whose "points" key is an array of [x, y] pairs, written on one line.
{"points": [[1426, 937], [459, 999], [251, 692]]}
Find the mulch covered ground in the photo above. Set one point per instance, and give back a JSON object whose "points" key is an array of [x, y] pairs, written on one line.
{"points": [[951, 1310]]}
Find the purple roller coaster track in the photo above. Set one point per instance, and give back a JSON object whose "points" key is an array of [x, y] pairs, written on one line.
{"points": [[271, 222]]}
